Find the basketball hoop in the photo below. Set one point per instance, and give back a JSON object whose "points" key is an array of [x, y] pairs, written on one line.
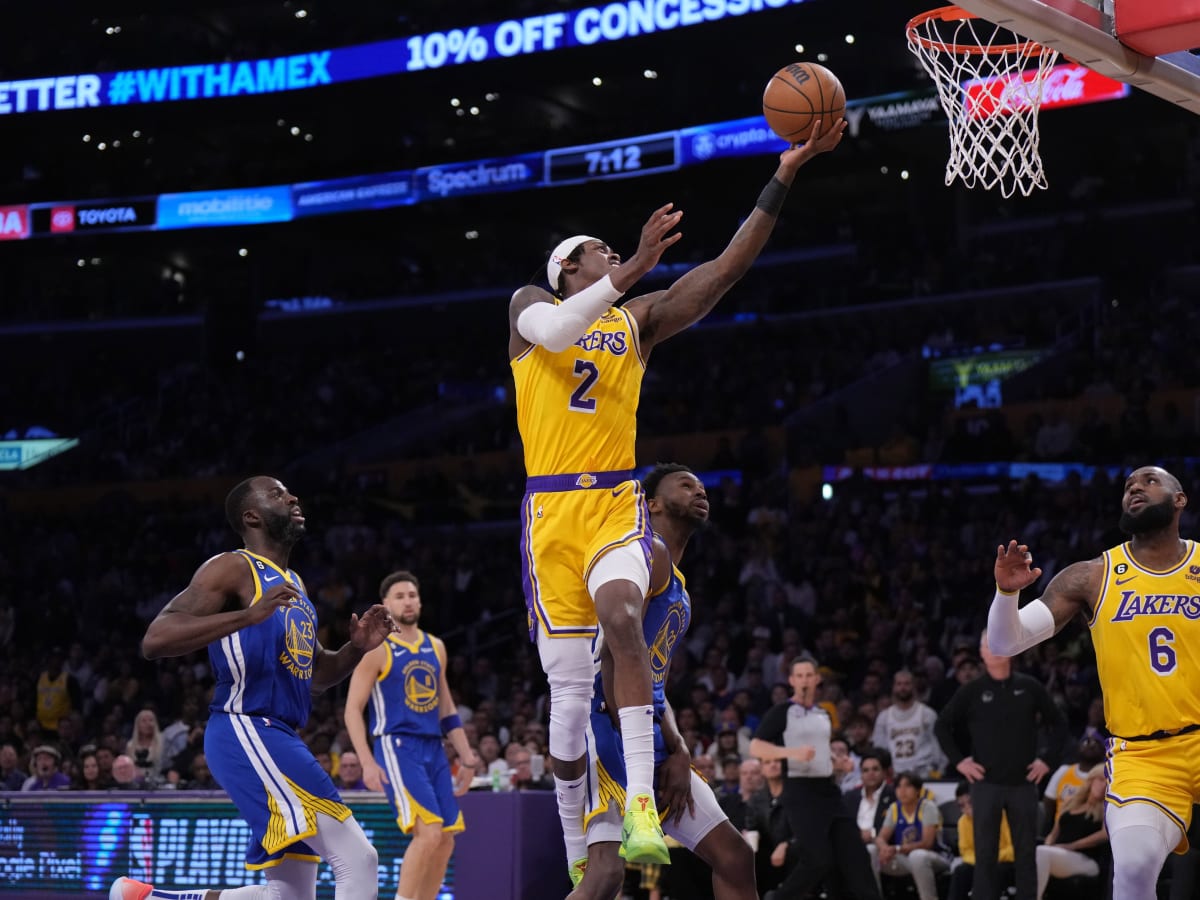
{"points": [[990, 98]]}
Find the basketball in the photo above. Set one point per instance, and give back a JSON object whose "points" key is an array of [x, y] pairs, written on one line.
{"points": [[799, 94]]}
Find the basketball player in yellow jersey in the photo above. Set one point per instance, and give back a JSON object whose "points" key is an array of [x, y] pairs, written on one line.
{"points": [[1141, 600], [577, 361]]}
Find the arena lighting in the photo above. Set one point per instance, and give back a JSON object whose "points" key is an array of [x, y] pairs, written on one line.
{"points": [[849, 39], [597, 81], [455, 102]]}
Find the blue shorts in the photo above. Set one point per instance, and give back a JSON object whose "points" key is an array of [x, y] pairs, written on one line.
{"points": [[419, 783], [274, 781]]}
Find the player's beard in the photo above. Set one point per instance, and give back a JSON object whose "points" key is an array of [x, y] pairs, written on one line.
{"points": [[1153, 517], [408, 620], [283, 529]]}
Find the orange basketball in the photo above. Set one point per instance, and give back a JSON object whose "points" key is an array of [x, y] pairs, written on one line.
{"points": [[798, 95]]}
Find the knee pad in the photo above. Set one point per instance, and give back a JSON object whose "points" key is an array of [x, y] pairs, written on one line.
{"points": [[1141, 838], [570, 712], [570, 668]]}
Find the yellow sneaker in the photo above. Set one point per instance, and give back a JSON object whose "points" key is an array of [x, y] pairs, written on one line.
{"points": [[576, 870], [642, 834]]}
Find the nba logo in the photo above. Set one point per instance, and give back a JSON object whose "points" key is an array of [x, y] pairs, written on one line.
{"points": [[62, 219]]}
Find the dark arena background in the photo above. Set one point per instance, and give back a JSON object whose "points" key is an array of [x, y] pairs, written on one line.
{"points": [[281, 238]]}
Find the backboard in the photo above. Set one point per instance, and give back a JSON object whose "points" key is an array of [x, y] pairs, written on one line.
{"points": [[1102, 34]]}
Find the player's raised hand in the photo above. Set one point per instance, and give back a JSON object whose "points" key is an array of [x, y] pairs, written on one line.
{"points": [[372, 629], [1014, 567], [817, 143], [655, 233], [281, 596]]}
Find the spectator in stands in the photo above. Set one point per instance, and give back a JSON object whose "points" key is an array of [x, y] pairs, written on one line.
{"points": [[767, 829], [962, 869], [90, 777], [146, 745], [201, 778], [1069, 778], [907, 842], [125, 775], [11, 776], [750, 782], [905, 729], [1013, 731], [46, 775], [523, 776], [869, 802], [1078, 842], [350, 773], [58, 693]]}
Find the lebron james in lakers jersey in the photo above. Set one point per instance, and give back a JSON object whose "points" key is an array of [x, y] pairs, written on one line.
{"points": [[1141, 601], [577, 361]]}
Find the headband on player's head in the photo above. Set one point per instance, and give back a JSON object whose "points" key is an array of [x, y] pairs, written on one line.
{"points": [[560, 253]]}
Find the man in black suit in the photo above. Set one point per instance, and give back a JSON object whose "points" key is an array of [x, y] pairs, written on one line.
{"points": [[869, 803]]}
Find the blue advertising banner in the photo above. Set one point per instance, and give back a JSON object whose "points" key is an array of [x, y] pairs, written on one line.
{"points": [[346, 194], [243, 206], [607, 22], [485, 176]]}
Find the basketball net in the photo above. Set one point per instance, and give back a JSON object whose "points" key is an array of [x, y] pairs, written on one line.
{"points": [[989, 95]]}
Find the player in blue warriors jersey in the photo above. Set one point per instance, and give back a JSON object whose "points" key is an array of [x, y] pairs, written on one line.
{"points": [[678, 506], [401, 687], [255, 616], [1141, 601], [577, 363]]}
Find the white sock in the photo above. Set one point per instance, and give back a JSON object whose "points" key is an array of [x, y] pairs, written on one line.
{"points": [[637, 734], [176, 895], [570, 810], [250, 892]]}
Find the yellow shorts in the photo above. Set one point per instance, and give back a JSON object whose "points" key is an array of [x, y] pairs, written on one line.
{"points": [[563, 532], [1160, 772]]}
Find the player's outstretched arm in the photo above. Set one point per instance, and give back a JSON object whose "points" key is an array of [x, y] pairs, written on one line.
{"points": [[665, 313], [1012, 630], [214, 605]]}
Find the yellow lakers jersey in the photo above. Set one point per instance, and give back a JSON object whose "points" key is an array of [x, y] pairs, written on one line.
{"points": [[577, 409], [1146, 629]]}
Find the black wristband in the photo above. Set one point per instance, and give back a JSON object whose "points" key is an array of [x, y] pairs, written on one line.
{"points": [[771, 199]]}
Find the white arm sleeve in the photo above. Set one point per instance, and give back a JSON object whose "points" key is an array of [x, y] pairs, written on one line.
{"points": [[557, 327], [1011, 631]]}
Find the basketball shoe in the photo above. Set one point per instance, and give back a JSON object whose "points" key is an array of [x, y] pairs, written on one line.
{"points": [[128, 889], [642, 834], [577, 869]]}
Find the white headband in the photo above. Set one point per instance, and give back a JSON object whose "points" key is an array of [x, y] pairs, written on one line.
{"points": [[560, 253]]}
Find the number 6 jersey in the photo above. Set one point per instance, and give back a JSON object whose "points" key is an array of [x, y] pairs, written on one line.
{"points": [[1146, 629]]}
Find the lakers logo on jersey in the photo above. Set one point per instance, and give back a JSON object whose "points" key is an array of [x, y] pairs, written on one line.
{"points": [[664, 642], [420, 686]]}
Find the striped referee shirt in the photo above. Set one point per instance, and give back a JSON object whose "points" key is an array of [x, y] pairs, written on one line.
{"points": [[790, 724]]}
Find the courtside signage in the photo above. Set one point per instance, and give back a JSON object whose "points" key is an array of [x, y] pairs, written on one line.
{"points": [[601, 23]]}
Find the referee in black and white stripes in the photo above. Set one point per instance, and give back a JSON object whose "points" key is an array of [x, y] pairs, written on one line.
{"points": [[825, 836]]}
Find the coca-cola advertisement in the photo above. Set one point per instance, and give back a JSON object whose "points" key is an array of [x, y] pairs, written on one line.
{"points": [[1067, 84]]}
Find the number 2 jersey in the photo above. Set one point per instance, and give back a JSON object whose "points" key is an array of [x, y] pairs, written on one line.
{"points": [[1146, 630], [577, 409]]}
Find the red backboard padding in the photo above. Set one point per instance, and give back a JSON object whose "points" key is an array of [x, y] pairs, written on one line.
{"points": [[1155, 27]]}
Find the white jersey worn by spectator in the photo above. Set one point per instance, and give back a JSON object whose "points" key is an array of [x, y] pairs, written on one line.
{"points": [[905, 729]]}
